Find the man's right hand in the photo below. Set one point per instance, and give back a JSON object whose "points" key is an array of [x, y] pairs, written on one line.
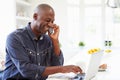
{"points": [[61, 69], [71, 68]]}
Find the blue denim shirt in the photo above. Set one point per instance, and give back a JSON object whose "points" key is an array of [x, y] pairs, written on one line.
{"points": [[27, 57]]}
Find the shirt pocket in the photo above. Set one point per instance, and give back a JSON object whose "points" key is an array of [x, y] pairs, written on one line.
{"points": [[31, 54], [46, 56]]}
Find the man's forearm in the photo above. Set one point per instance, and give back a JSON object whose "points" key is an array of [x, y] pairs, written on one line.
{"points": [[61, 69], [56, 47]]}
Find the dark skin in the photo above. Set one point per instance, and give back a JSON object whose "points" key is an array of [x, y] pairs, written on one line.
{"points": [[42, 20]]}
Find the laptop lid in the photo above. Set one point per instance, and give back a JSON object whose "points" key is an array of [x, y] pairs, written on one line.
{"points": [[93, 65]]}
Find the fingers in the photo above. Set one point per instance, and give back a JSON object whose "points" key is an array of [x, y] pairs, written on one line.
{"points": [[54, 27], [75, 69], [103, 66], [78, 69]]}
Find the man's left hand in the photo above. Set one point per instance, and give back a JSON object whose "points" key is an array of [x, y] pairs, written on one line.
{"points": [[55, 34]]}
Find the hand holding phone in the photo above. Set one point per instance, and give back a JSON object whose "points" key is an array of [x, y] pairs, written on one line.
{"points": [[53, 31]]}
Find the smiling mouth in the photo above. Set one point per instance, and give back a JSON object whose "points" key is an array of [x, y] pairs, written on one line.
{"points": [[44, 29]]}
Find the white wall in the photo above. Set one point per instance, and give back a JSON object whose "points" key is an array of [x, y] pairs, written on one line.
{"points": [[7, 21]]}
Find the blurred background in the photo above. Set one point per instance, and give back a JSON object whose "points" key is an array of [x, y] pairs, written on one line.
{"points": [[84, 24]]}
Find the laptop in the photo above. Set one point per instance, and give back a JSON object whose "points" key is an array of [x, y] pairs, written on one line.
{"points": [[91, 71], [92, 68]]}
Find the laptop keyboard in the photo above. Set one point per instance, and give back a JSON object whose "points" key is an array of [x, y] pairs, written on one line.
{"points": [[79, 77]]}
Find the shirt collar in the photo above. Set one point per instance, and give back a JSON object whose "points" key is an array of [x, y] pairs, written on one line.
{"points": [[32, 35]]}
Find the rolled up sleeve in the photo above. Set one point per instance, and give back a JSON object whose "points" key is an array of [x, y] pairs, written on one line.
{"points": [[57, 60]]}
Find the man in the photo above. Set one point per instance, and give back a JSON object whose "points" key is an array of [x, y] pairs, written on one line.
{"points": [[31, 54]]}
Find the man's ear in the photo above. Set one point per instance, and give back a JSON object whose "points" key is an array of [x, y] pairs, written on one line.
{"points": [[35, 15]]}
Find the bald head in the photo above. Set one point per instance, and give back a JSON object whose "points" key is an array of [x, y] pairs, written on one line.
{"points": [[42, 8]]}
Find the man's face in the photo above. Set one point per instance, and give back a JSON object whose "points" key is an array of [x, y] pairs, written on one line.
{"points": [[43, 19]]}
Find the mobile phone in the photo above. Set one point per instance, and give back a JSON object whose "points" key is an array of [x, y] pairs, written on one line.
{"points": [[51, 30]]}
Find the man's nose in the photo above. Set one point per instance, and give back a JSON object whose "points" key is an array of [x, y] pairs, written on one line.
{"points": [[50, 24]]}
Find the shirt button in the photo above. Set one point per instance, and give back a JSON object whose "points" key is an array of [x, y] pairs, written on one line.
{"points": [[39, 64], [30, 52], [37, 53]]}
